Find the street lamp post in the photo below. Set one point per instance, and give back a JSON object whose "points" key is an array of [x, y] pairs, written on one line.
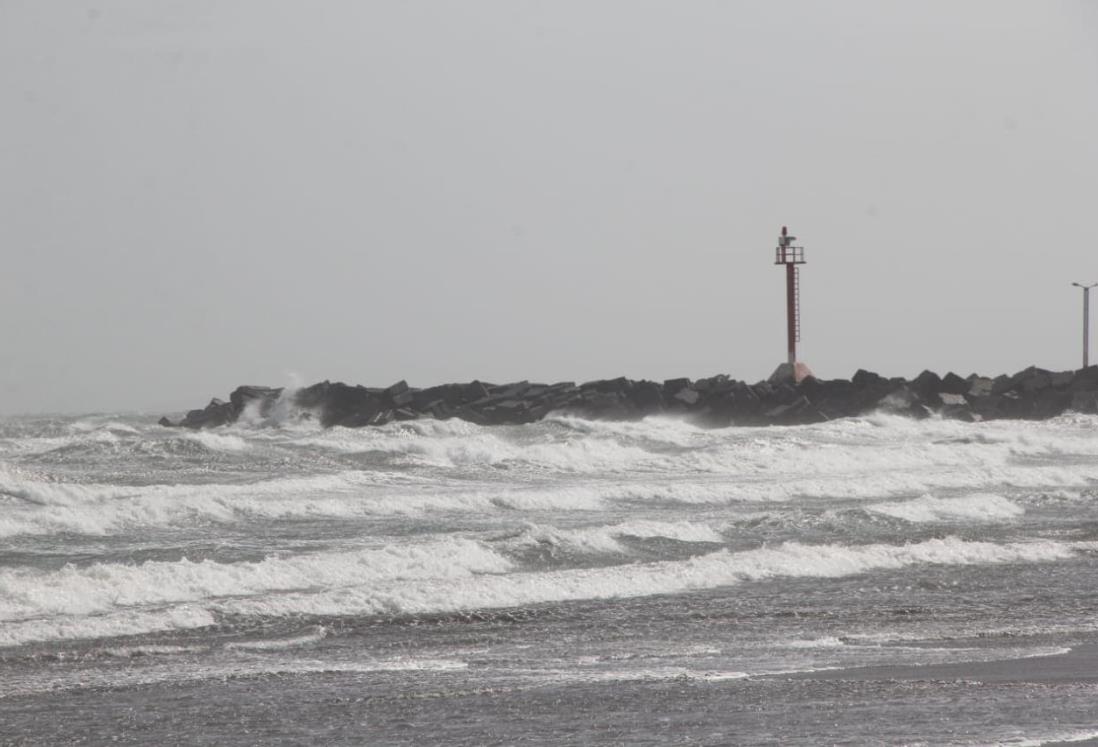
{"points": [[1086, 320]]}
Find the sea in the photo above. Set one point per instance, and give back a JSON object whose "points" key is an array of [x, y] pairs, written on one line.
{"points": [[873, 580]]}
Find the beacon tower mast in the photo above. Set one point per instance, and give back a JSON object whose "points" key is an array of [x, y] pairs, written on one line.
{"points": [[1086, 320], [792, 257]]}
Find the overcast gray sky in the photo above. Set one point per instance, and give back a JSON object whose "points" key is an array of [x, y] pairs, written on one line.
{"points": [[196, 194]]}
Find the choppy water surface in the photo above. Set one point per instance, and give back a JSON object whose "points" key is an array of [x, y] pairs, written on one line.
{"points": [[563, 582]]}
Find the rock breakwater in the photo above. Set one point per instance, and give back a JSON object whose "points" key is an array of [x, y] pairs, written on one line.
{"points": [[716, 401]]}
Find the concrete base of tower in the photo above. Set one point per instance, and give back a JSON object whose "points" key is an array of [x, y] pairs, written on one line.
{"points": [[790, 373]]}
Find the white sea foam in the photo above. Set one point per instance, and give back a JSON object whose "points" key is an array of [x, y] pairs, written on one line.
{"points": [[550, 466], [234, 663], [217, 441], [980, 507], [314, 635], [130, 652], [105, 587], [642, 674], [1061, 737], [441, 576], [120, 623], [708, 571], [825, 642], [605, 539], [42, 506]]}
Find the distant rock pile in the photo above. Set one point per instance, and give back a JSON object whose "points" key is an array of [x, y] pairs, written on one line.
{"points": [[716, 401]]}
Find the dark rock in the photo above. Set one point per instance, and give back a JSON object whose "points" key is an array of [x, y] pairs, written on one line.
{"points": [[927, 384], [451, 395], [1062, 379], [671, 387], [715, 401], [610, 405], [265, 396], [341, 404], [1036, 382], [785, 373], [712, 384], [399, 395], [1050, 403], [618, 385], [214, 414], [1085, 402], [397, 389], [784, 393], [401, 400], [469, 414], [1030, 380], [954, 384], [166, 423], [509, 391], [647, 396], [1001, 384], [475, 390], [1085, 380], [863, 379]]}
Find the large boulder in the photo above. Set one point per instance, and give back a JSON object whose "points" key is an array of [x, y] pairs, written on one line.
{"points": [[647, 397], [261, 397], [212, 415], [1085, 402], [341, 404], [954, 384], [927, 384], [863, 379], [1085, 380]]}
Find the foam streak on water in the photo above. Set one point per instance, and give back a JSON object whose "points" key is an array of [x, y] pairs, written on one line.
{"points": [[568, 559]]}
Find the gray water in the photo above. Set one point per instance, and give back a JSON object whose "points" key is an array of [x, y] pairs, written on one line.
{"points": [[865, 581]]}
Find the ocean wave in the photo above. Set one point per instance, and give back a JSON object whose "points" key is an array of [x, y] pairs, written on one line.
{"points": [[36, 505], [232, 663], [119, 623], [435, 577], [979, 507], [1059, 737], [713, 570], [315, 634], [606, 539], [103, 587]]}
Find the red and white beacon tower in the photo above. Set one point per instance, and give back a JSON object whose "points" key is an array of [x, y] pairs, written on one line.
{"points": [[792, 257]]}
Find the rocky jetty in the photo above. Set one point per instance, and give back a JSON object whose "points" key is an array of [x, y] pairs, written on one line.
{"points": [[716, 401]]}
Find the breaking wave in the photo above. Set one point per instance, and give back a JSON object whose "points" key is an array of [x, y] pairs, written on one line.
{"points": [[435, 577], [606, 539], [983, 507]]}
